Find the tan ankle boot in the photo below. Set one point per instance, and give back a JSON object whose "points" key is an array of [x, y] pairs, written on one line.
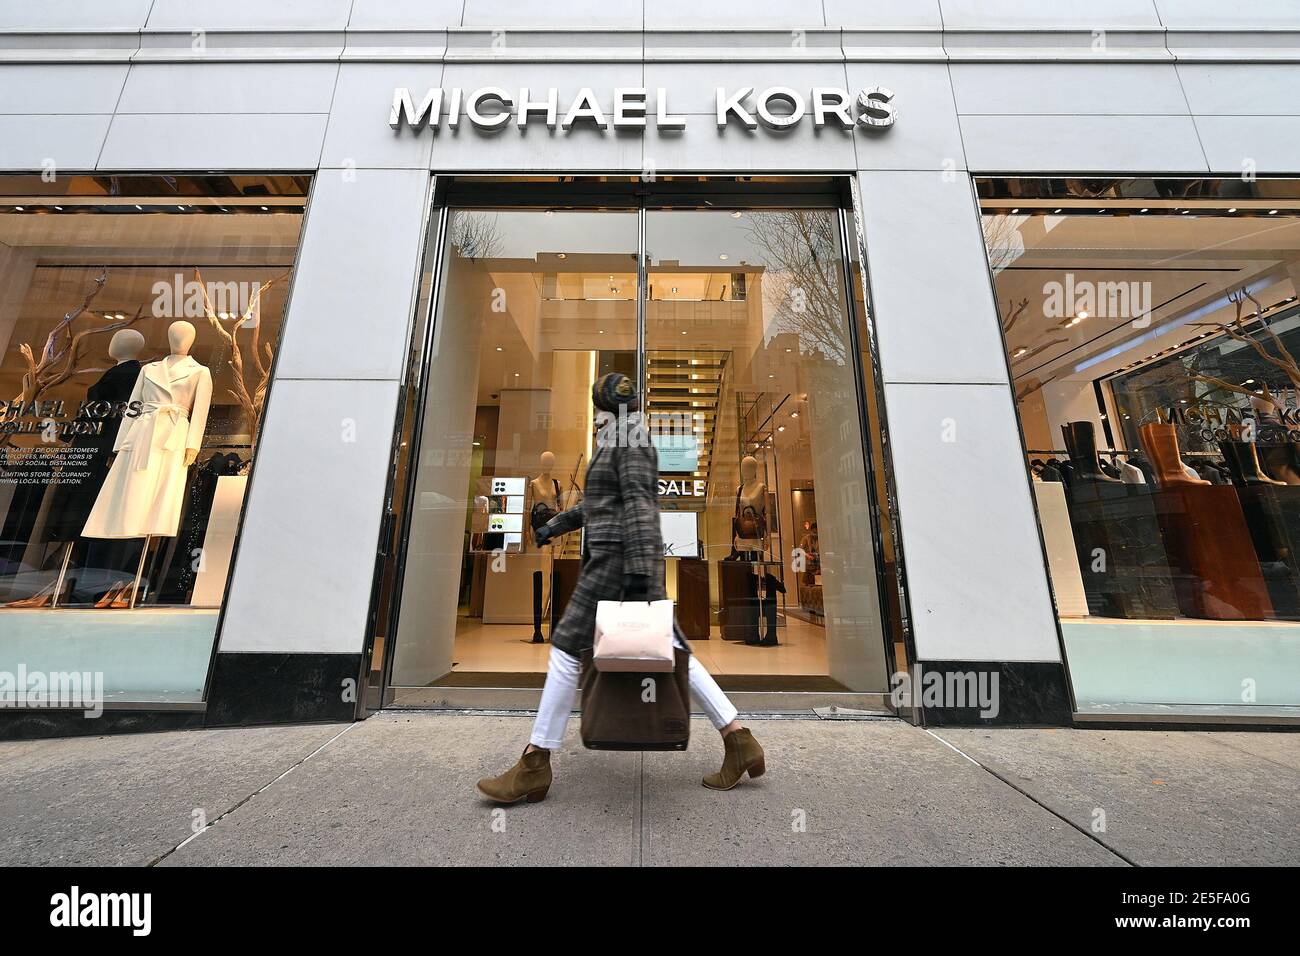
{"points": [[529, 779], [743, 754]]}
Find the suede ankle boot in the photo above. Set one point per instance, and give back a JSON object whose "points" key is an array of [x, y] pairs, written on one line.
{"points": [[742, 754], [529, 779]]}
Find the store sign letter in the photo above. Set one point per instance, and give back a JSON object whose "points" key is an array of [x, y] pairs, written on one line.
{"points": [[775, 108]]}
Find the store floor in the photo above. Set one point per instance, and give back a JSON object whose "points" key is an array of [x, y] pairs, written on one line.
{"points": [[398, 789], [485, 653]]}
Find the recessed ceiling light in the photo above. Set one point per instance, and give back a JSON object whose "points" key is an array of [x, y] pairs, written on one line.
{"points": [[789, 350], [1014, 211], [500, 349], [683, 331], [780, 428], [1144, 210], [19, 208], [1054, 211], [563, 255], [674, 288], [794, 414], [1272, 212], [264, 209], [516, 374], [735, 215], [1233, 209], [723, 256], [600, 331]]}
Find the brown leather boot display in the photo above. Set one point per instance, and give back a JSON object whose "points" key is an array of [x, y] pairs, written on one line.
{"points": [[528, 779], [743, 755], [1161, 445]]}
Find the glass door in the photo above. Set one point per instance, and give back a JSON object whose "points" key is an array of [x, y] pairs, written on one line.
{"points": [[752, 397], [737, 322], [533, 306]]}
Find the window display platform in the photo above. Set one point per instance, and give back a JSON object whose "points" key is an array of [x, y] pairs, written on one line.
{"points": [[1124, 666], [148, 655]]}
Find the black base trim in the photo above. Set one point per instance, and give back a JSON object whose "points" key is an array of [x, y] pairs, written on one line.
{"points": [[35, 724], [282, 688], [992, 694]]}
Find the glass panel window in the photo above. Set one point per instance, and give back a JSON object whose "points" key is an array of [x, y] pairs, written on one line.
{"points": [[753, 400], [534, 306], [1152, 329], [139, 320]]}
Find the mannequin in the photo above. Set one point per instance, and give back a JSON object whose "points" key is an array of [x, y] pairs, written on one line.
{"points": [[750, 529], [145, 488], [749, 525], [71, 503], [543, 496]]}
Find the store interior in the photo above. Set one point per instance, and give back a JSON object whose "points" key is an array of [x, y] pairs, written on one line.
{"points": [[748, 374], [1151, 329], [139, 318]]}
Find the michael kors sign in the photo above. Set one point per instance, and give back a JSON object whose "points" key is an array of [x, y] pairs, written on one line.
{"points": [[777, 108]]}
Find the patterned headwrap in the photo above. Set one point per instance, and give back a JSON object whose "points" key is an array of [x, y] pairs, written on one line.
{"points": [[614, 390]]}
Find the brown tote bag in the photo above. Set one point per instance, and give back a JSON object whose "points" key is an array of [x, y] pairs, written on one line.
{"points": [[615, 717]]}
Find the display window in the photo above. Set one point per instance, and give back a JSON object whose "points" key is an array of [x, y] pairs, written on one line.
{"points": [[139, 322], [1152, 329], [737, 322]]}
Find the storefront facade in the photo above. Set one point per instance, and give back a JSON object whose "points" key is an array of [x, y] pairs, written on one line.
{"points": [[966, 328]]}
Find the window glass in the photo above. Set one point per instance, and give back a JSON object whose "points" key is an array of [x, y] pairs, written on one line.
{"points": [[1151, 330], [139, 320]]}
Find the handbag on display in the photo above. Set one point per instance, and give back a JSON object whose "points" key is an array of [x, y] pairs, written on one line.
{"points": [[634, 636], [748, 524], [627, 710]]}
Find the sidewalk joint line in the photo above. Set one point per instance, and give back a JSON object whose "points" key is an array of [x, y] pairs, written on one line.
{"points": [[194, 836], [1029, 796]]}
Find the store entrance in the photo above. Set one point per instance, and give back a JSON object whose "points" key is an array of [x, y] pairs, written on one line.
{"points": [[738, 320]]}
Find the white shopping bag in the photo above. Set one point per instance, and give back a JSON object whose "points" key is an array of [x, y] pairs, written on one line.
{"points": [[634, 636]]}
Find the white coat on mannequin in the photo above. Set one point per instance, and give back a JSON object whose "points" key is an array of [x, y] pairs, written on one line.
{"points": [[145, 488]]}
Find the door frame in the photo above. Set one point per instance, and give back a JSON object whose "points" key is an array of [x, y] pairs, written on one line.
{"points": [[837, 192]]}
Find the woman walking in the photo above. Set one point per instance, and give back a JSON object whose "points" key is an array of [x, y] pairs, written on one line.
{"points": [[622, 560]]}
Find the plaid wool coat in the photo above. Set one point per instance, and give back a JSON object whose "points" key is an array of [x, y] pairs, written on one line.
{"points": [[620, 512]]}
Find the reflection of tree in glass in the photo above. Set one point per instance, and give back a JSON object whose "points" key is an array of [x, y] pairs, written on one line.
{"points": [[1003, 240], [476, 235], [802, 279]]}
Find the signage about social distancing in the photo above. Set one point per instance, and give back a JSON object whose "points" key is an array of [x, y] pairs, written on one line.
{"points": [[775, 108]]}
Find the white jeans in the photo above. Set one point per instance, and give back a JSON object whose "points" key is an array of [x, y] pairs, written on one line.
{"points": [[560, 692]]}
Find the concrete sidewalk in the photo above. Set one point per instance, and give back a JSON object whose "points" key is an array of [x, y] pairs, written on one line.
{"points": [[398, 790]]}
